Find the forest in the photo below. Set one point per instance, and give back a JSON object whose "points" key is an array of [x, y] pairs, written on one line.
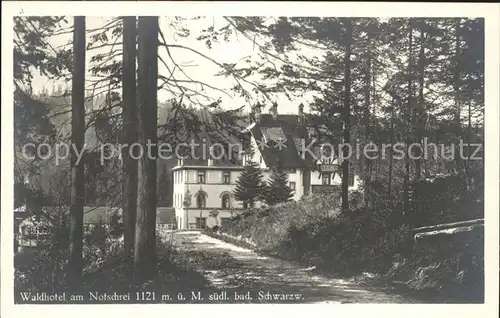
{"points": [[367, 80]]}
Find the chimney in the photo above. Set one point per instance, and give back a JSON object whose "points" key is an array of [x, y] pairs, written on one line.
{"points": [[257, 109], [301, 114], [274, 110], [302, 130], [301, 125]]}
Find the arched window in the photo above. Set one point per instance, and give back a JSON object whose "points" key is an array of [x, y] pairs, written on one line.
{"points": [[201, 200], [226, 200]]}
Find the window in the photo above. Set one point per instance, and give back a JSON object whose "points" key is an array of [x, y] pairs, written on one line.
{"points": [[325, 177], [226, 201], [201, 223], [201, 176], [292, 186], [226, 177], [201, 200]]}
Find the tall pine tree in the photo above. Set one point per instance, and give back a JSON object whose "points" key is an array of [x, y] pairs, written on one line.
{"points": [[130, 125], [249, 187], [75, 266], [145, 226], [277, 189]]}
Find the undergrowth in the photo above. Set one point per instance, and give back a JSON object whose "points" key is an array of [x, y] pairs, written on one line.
{"points": [[105, 269], [376, 239]]}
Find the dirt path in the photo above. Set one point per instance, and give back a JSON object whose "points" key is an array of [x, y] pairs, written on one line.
{"points": [[267, 279]]}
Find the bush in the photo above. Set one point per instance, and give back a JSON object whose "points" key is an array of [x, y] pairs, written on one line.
{"points": [[105, 269], [41, 271], [375, 239]]}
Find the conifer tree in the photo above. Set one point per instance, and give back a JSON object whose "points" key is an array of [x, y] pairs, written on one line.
{"points": [[249, 187], [277, 189], [75, 260]]}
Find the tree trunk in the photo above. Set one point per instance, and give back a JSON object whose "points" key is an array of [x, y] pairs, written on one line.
{"points": [[145, 230], [391, 142], [129, 132], [461, 164], [456, 88], [469, 125], [407, 113], [366, 116], [347, 114], [77, 140], [421, 105]]}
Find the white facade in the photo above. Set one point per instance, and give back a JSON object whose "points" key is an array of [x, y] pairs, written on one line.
{"points": [[210, 188], [296, 176]]}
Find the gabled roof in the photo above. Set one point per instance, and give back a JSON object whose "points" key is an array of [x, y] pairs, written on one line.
{"points": [[93, 215], [284, 130]]}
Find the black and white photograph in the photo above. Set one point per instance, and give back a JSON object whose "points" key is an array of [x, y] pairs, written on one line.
{"points": [[248, 159]]}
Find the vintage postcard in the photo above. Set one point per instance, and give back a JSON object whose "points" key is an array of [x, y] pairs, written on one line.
{"points": [[181, 153]]}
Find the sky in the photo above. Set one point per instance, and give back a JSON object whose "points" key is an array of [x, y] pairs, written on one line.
{"points": [[238, 48]]}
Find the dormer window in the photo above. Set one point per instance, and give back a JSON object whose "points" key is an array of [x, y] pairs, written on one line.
{"points": [[326, 178]]}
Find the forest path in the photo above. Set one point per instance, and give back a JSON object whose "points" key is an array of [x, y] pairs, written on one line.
{"points": [[234, 269]]}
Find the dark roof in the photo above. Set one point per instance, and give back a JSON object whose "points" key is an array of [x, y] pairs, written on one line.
{"points": [[92, 215], [290, 131], [165, 215], [203, 143]]}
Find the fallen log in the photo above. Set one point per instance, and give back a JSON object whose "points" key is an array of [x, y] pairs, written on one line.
{"points": [[449, 225], [447, 231]]}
